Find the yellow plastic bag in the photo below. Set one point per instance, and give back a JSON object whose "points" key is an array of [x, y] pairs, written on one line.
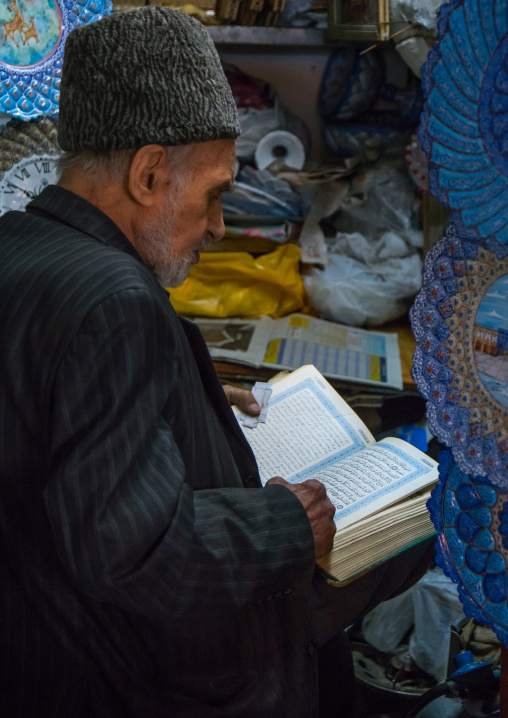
{"points": [[229, 284]]}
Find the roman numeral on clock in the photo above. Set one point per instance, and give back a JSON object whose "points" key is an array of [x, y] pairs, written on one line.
{"points": [[44, 167], [24, 174]]}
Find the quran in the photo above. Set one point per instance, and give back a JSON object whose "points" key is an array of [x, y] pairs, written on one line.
{"points": [[379, 489]]}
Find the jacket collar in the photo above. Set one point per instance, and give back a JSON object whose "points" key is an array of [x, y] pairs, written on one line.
{"points": [[71, 209]]}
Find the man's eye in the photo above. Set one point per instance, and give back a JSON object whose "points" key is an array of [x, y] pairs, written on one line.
{"points": [[218, 195]]}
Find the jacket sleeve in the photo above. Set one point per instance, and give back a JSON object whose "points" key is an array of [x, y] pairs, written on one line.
{"points": [[127, 527]]}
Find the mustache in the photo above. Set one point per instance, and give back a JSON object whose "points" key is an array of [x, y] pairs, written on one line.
{"points": [[206, 241]]}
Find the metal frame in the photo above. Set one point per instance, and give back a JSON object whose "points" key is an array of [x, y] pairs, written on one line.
{"points": [[376, 31]]}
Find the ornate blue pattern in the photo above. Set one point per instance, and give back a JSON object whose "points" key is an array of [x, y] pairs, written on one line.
{"points": [[460, 322], [32, 51], [471, 517], [464, 127]]}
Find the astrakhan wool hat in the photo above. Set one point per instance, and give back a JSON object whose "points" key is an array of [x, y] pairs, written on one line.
{"points": [[146, 76]]}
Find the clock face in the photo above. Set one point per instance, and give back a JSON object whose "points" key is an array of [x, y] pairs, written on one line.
{"points": [[25, 181]]}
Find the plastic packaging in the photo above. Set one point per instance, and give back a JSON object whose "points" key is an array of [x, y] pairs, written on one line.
{"points": [[255, 123], [423, 12], [374, 263], [378, 201], [365, 283], [260, 192], [230, 284], [428, 608]]}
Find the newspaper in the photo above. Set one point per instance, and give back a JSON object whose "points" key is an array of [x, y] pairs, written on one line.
{"points": [[336, 350]]}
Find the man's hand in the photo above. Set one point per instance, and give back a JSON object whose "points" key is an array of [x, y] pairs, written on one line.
{"points": [[319, 508], [243, 397]]}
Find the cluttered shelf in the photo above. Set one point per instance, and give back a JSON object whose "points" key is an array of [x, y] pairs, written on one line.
{"points": [[330, 216]]}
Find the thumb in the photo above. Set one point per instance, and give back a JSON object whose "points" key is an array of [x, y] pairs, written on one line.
{"points": [[277, 480], [243, 398]]}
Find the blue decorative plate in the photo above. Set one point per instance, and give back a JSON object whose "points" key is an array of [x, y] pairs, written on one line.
{"points": [[464, 127], [460, 322], [417, 164], [32, 37], [471, 518]]}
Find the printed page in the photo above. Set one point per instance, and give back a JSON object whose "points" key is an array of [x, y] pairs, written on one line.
{"points": [[308, 428], [380, 475], [337, 351], [387, 518], [240, 340], [345, 564], [358, 547]]}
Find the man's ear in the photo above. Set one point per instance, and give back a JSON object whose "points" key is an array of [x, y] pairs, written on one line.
{"points": [[148, 173]]}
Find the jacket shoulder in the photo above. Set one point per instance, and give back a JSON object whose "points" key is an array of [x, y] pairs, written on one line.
{"points": [[55, 259]]}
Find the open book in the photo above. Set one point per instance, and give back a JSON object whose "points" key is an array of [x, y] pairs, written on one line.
{"points": [[379, 490]]}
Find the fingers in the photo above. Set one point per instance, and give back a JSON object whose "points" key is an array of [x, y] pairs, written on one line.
{"points": [[323, 528], [277, 480], [314, 488], [243, 398], [320, 511]]}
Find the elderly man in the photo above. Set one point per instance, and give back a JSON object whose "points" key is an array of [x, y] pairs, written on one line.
{"points": [[144, 571]]}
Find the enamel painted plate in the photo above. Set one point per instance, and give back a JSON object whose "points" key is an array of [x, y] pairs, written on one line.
{"points": [[471, 517], [32, 39], [460, 322], [464, 127]]}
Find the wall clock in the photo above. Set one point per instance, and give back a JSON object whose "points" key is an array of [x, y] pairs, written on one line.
{"points": [[28, 153], [32, 39]]}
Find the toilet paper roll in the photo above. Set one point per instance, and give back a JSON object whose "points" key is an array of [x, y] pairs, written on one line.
{"points": [[280, 145]]}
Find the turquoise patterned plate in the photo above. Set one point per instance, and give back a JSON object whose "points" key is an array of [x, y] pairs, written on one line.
{"points": [[464, 127], [32, 39], [471, 518]]}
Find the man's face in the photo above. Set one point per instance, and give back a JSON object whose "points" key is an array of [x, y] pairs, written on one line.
{"points": [[187, 219]]}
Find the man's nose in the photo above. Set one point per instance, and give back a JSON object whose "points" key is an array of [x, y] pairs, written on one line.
{"points": [[216, 226]]}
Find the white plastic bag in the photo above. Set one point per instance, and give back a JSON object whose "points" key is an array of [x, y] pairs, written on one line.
{"points": [[366, 282], [387, 624], [436, 607], [430, 606], [256, 123], [423, 12]]}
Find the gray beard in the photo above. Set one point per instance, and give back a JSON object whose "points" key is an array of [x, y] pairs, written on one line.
{"points": [[157, 252], [172, 272]]}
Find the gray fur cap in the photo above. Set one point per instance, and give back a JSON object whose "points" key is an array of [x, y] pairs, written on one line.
{"points": [[146, 76]]}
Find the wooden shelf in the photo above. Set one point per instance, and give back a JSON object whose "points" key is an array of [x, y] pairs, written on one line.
{"points": [[267, 36]]}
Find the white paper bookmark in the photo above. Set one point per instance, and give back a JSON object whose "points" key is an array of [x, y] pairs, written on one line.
{"points": [[261, 391]]}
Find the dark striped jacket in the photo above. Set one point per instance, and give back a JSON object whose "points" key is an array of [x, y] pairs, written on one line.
{"points": [[139, 573]]}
